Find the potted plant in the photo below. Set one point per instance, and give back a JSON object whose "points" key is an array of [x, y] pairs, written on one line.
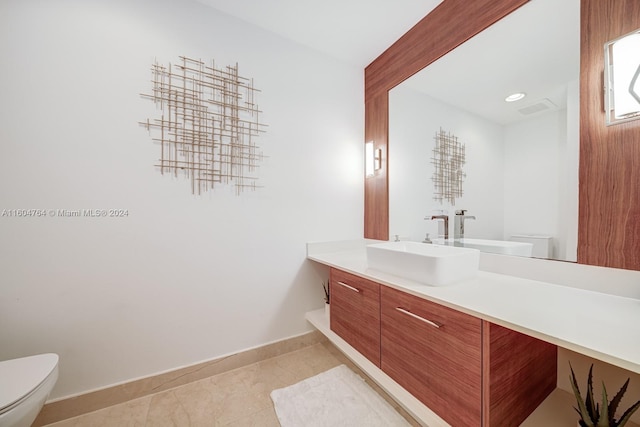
{"points": [[593, 414], [327, 297]]}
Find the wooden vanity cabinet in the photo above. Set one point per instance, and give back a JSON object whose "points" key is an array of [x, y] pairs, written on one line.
{"points": [[469, 371], [435, 353], [355, 312]]}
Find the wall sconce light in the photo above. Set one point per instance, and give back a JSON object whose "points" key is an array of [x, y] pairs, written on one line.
{"points": [[622, 79], [372, 159]]}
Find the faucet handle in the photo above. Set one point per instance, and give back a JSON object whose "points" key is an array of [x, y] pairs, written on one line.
{"points": [[462, 211]]}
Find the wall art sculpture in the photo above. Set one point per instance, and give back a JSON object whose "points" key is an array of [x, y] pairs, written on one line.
{"points": [[208, 125], [448, 160]]}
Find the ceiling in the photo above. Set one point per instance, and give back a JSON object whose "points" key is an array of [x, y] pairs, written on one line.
{"points": [[355, 31]]}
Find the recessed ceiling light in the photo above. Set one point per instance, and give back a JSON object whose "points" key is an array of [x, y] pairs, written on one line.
{"points": [[515, 96]]}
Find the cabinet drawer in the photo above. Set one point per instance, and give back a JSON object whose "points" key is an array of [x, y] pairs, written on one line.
{"points": [[355, 313], [435, 353]]}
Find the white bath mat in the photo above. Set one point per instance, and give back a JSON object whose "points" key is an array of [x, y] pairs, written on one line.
{"points": [[337, 397]]}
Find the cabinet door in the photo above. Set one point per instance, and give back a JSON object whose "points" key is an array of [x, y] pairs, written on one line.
{"points": [[355, 313], [435, 353]]}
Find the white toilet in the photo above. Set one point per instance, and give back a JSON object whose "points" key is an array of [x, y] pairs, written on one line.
{"points": [[25, 384], [542, 245]]}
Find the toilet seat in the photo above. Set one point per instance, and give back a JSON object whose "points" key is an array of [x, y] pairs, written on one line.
{"points": [[19, 378]]}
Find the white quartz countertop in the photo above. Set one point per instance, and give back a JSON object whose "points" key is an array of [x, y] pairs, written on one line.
{"points": [[600, 325]]}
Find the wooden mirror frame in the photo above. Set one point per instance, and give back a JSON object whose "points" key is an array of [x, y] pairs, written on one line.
{"points": [[609, 183]]}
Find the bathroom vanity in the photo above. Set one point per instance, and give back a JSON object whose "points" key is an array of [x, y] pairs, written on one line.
{"points": [[443, 356], [480, 351]]}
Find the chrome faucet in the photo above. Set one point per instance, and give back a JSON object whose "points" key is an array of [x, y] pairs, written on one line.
{"points": [[446, 224], [458, 222]]}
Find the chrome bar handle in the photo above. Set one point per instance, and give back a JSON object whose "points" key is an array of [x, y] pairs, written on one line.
{"points": [[349, 287], [415, 316]]}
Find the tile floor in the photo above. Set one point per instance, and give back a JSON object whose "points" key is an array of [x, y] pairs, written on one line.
{"points": [[238, 398]]}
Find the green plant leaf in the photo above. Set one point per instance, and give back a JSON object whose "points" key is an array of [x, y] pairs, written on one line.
{"points": [[584, 414], [592, 409], [603, 420], [327, 294], [627, 415], [613, 405]]}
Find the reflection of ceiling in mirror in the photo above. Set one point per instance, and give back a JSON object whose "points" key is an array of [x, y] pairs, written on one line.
{"points": [[535, 50]]}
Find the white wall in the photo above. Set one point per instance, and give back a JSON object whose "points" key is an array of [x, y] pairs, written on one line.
{"points": [[533, 149], [541, 176], [183, 278], [414, 119]]}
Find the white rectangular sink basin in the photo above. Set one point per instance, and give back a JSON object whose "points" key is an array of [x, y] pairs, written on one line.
{"points": [[502, 247], [425, 263]]}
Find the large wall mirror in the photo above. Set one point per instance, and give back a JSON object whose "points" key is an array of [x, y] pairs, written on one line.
{"points": [[521, 158]]}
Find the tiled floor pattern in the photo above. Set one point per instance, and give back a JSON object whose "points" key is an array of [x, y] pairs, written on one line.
{"points": [[238, 398]]}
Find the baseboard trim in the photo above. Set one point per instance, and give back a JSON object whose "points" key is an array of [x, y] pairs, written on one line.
{"points": [[100, 399]]}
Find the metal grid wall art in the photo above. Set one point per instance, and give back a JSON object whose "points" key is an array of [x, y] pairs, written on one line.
{"points": [[448, 160], [208, 126]]}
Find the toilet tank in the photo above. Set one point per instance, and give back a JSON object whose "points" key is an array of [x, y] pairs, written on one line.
{"points": [[542, 245]]}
